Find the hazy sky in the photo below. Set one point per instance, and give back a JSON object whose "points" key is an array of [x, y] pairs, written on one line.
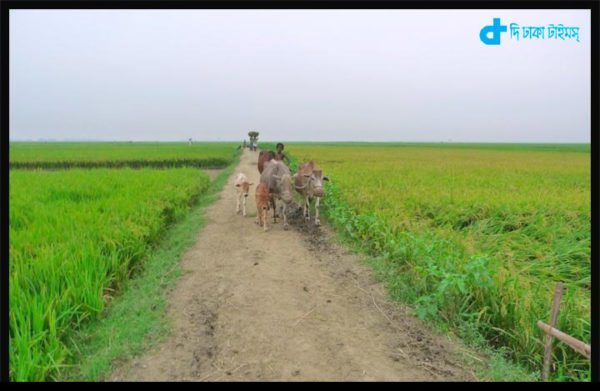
{"points": [[373, 75]]}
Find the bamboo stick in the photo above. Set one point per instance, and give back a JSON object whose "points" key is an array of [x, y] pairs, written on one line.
{"points": [[574, 343], [558, 292]]}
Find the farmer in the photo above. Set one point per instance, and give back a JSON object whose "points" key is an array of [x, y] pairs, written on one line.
{"points": [[280, 155]]}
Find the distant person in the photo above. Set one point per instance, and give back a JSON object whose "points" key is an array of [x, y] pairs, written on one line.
{"points": [[279, 155], [244, 144]]}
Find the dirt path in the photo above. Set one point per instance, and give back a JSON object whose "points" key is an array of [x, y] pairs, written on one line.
{"points": [[285, 305]]}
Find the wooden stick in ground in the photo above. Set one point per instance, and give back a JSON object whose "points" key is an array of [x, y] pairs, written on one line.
{"points": [[558, 292], [576, 344]]}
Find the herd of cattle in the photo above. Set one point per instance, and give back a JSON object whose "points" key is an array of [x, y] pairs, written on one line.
{"points": [[278, 183]]}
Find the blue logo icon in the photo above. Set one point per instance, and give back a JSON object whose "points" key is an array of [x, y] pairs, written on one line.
{"points": [[495, 29]]}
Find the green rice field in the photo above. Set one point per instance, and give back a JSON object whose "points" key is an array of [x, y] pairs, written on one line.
{"points": [[75, 237], [474, 235], [119, 154]]}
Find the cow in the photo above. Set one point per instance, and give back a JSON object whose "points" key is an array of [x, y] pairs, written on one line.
{"points": [[263, 157], [242, 187], [278, 178], [262, 204], [308, 181]]}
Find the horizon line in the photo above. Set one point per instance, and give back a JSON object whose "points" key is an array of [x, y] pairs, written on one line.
{"points": [[299, 141]]}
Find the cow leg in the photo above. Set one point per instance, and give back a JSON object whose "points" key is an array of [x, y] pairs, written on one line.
{"points": [[306, 208], [274, 210], [264, 218], [237, 206], [317, 221], [244, 205], [285, 223]]}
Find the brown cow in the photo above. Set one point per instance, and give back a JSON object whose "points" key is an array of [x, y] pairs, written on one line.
{"points": [[277, 177], [264, 157], [262, 204], [308, 181]]}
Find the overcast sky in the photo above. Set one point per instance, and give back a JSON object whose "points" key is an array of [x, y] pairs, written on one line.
{"points": [[371, 75]]}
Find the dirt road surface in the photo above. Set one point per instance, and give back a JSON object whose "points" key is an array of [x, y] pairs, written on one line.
{"points": [[286, 305]]}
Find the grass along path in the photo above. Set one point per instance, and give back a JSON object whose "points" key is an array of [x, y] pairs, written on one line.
{"points": [[135, 320]]}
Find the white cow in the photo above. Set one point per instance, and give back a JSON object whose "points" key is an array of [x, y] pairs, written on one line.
{"points": [[242, 187]]}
